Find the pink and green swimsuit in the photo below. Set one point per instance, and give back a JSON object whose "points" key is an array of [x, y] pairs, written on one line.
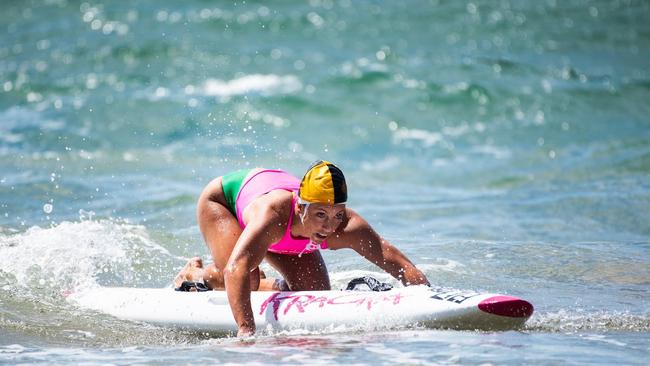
{"points": [[244, 186]]}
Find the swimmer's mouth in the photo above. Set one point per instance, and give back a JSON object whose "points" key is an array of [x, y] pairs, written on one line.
{"points": [[320, 237]]}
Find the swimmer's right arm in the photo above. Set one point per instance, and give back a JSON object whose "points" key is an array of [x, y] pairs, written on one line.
{"points": [[247, 254]]}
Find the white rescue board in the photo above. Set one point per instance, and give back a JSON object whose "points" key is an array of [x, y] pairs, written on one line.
{"points": [[312, 310]]}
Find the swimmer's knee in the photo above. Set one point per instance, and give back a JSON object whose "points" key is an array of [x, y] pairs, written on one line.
{"points": [[281, 285], [213, 278]]}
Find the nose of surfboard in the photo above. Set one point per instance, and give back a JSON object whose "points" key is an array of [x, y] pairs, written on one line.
{"points": [[507, 306]]}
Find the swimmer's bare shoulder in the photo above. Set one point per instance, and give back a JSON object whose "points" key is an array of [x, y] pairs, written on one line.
{"points": [[274, 206]]}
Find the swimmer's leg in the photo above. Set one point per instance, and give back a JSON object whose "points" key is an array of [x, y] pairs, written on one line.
{"points": [[220, 231], [307, 272]]}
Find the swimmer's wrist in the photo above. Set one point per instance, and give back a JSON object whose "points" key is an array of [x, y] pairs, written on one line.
{"points": [[246, 331]]}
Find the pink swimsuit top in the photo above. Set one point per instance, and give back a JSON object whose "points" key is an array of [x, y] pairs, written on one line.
{"points": [[260, 182]]}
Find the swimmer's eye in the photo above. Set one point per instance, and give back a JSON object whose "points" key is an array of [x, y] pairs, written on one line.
{"points": [[321, 215]]}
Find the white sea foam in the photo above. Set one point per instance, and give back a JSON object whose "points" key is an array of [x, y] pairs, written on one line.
{"points": [[427, 138], [254, 84], [245, 111], [386, 164], [455, 88], [494, 151], [12, 349], [581, 321], [394, 356], [442, 265], [20, 117], [251, 84]]}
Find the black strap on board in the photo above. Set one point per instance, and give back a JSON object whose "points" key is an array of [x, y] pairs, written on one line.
{"points": [[372, 283], [191, 286]]}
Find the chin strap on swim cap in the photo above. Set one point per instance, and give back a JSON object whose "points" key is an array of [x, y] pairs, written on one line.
{"points": [[324, 183], [303, 214]]}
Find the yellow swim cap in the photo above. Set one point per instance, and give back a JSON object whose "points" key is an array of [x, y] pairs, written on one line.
{"points": [[323, 183]]}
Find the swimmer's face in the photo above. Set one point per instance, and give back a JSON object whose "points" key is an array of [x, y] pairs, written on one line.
{"points": [[321, 220]]}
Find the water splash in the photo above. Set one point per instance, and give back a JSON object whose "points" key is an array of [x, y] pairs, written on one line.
{"points": [[79, 254]]}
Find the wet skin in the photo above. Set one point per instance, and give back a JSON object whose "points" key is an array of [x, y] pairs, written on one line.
{"points": [[237, 253]]}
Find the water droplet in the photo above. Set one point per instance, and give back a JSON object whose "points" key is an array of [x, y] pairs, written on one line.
{"points": [[47, 208]]}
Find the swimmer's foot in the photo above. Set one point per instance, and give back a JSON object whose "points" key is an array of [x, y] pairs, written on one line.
{"points": [[193, 271]]}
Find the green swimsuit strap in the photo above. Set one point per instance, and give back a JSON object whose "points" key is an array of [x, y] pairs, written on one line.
{"points": [[231, 184]]}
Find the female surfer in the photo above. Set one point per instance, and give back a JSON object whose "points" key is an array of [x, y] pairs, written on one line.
{"points": [[251, 215]]}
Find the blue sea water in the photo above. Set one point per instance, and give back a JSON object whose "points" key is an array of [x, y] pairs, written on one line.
{"points": [[504, 146]]}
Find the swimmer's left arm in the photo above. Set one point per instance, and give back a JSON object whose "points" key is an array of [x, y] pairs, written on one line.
{"points": [[361, 237]]}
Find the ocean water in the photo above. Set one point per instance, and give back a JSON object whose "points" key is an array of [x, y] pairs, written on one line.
{"points": [[504, 146]]}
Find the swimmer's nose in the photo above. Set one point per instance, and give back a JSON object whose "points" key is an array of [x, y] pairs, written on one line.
{"points": [[327, 226]]}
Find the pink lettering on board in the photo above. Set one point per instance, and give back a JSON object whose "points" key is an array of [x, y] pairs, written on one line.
{"points": [[299, 302]]}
